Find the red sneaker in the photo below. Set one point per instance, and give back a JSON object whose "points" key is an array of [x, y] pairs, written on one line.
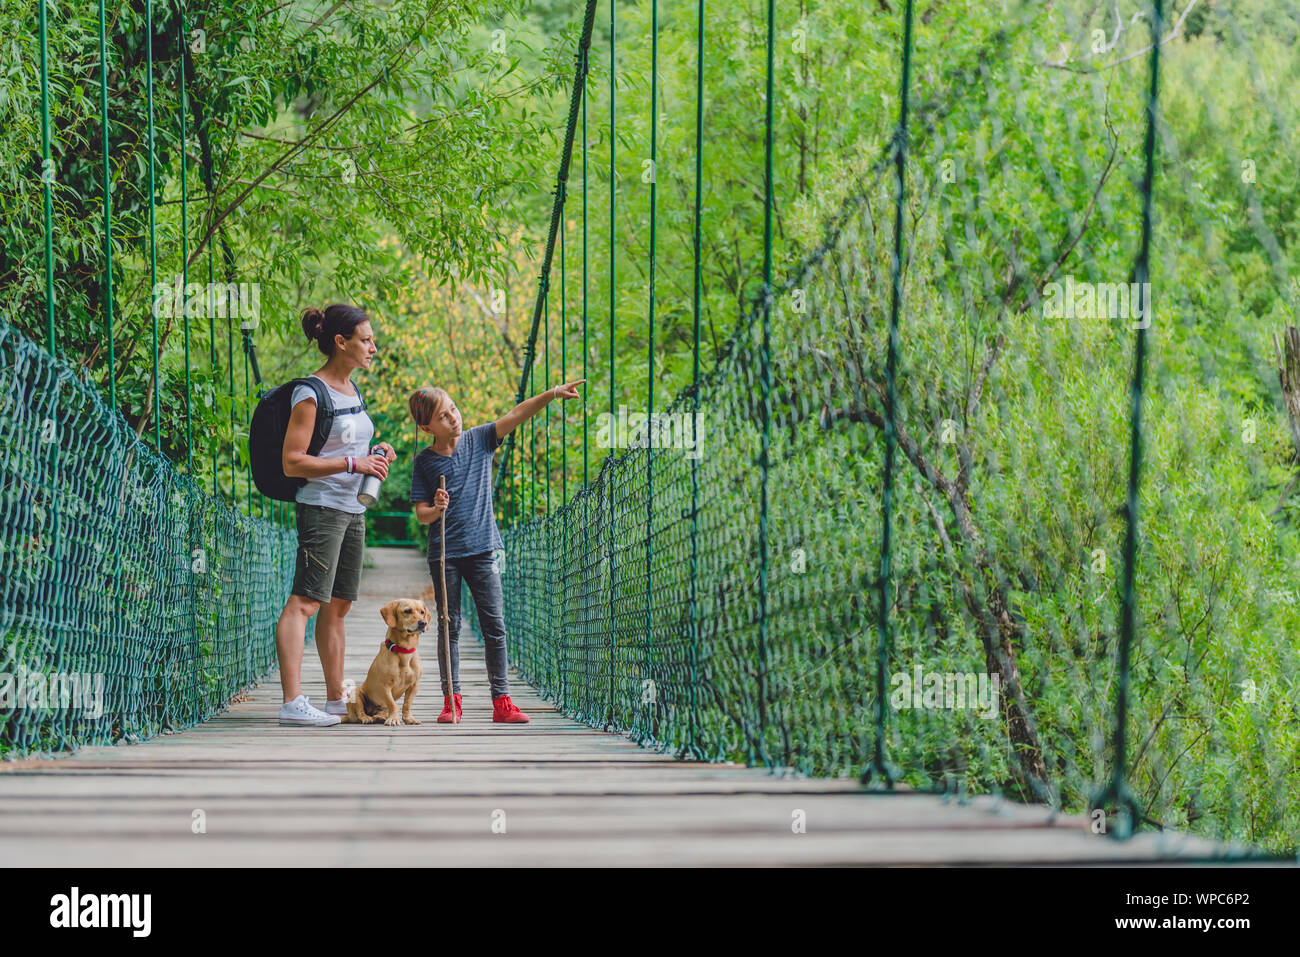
{"points": [[445, 717], [503, 709]]}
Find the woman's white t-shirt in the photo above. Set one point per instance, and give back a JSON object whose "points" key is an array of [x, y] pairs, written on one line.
{"points": [[350, 435]]}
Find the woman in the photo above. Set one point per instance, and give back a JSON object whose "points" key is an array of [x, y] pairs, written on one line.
{"points": [[331, 522]]}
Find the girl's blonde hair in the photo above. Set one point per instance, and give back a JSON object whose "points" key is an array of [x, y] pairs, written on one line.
{"points": [[425, 404]]}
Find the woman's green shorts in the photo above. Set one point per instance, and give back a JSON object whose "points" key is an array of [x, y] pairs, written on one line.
{"points": [[331, 544]]}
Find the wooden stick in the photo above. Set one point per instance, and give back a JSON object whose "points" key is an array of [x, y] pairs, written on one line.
{"points": [[444, 621]]}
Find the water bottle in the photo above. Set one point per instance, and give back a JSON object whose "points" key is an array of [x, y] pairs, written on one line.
{"points": [[369, 493]]}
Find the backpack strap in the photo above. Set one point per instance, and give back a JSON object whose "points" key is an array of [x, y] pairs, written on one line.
{"points": [[324, 412], [353, 410], [356, 408]]}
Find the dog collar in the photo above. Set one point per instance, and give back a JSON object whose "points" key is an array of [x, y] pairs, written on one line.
{"points": [[388, 643]]}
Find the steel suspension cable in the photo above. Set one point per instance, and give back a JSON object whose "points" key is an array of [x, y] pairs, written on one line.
{"points": [[248, 466], [108, 208], [230, 395], [1118, 790], [564, 447], [564, 369], [153, 224], [585, 458], [532, 440], [586, 480], [613, 418], [880, 770], [106, 180], [185, 244], [765, 381], [546, 384], [651, 432], [694, 613], [213, 370], [47, 182]]}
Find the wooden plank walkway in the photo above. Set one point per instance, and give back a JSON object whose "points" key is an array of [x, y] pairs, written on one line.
{"points": [[431, 794]]}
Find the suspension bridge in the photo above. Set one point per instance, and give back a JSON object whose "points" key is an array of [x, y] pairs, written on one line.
{"points": [[239, 790], [711, 632]]}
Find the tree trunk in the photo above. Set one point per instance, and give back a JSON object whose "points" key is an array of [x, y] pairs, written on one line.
{"points": [[1288, 375]]}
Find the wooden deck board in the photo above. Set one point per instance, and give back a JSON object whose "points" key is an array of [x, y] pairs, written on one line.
{"points": [[427, 794]]}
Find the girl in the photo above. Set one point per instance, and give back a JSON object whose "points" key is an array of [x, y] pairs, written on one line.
{"points": [[465, 460]]}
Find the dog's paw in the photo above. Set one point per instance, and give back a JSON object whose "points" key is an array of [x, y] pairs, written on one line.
{"points": [[406, 719], [392, 721]]}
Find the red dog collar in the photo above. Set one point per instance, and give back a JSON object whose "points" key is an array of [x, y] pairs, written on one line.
{"points": [[397, 648]]}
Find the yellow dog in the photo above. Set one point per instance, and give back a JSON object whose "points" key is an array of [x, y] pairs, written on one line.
{"points": [[395, 672]]}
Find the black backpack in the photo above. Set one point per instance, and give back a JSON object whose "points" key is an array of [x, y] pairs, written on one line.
{"points": [[271, 422]]}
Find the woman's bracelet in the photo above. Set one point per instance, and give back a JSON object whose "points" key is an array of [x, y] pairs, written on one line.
{"points": [[352, 464], [555, 393]]}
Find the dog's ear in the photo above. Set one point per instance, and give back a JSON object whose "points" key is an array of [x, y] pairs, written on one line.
{"points": [[389, 614]]}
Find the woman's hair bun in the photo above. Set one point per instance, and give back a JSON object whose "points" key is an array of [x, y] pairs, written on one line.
{"points": [[312, 320], [326, 325]]}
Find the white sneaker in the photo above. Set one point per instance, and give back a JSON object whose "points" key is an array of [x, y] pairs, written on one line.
{"points": [[337, 707], [299, 712]]}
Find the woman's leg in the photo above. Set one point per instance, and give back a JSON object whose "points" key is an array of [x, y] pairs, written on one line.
{"points": [[321, 532], [290, 636], [331, 642], [331, 645]]}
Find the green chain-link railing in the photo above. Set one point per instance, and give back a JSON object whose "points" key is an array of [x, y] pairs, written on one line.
{"points": [[911, 390], [149, 605], [133, 600]]}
